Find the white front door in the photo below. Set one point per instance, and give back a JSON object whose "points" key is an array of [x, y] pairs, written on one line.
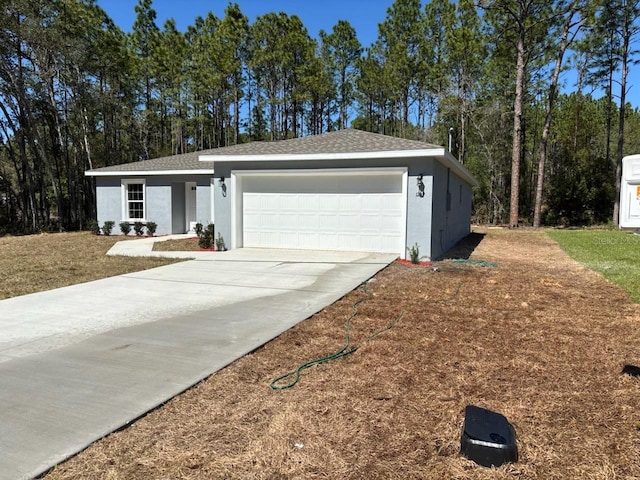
{"points": [[190, 206]]}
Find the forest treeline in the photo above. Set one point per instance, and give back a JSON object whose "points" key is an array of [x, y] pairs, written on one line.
{"points": [[533, 91]]}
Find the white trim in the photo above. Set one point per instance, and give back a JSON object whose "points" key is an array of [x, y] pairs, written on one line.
{"points": [[124, 184], [147, 173], [320, 171], [405, 193], [236, 189], [429, 152]]}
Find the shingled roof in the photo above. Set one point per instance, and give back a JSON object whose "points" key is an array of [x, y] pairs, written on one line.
{"points": [[183, 162], [346, 141], [341, 141]]}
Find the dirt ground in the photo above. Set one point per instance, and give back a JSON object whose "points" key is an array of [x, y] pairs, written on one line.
{"points": [[538, 338]]}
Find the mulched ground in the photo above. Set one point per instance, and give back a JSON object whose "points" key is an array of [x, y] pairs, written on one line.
{"points": [[537, 338]]}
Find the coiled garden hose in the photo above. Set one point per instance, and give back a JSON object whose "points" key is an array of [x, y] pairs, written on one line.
{"points": [[346, 349]]}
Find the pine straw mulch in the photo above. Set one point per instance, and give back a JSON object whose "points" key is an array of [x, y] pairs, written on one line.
{"points": [[539, 338]]}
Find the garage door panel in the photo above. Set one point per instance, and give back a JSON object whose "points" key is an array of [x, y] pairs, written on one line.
{"points": [[307, 240], [251, 203], [388, 222], [264, 221], [287, 220], [329, 222], [330, 204], [332, 221], [309, 203], [309, 222], [348, 222], [288, 239], [268, 202], [350, 202]]}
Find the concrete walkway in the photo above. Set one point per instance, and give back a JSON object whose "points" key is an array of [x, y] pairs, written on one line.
{"points": [[79, 362], [143, 247]]}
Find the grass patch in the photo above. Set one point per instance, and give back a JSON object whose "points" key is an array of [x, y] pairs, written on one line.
{"points": [[613, 253], [35, 263], [180, 245]]}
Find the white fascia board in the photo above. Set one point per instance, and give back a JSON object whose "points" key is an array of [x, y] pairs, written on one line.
{"points": [[431, 152], [148, 173], [321, 172]]}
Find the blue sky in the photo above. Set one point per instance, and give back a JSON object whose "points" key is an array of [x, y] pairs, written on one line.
{"points": [[364, 15]]}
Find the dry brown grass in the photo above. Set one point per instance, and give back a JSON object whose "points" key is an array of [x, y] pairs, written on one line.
{"points": [[35, 263], [181, 245], [539, 339]]}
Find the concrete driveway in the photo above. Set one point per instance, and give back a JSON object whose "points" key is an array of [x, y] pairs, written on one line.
{"points": [[79, 362]]}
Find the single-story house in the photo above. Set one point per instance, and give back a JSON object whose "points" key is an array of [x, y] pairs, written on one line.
{"points": [[343, 190]]}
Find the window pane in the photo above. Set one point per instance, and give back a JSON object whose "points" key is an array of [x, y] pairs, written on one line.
{"points": [[136, 210], [135, 191]]}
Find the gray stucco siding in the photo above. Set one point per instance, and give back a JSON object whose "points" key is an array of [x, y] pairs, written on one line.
{"points": [[204, 213], [222, 210], [164, 200], [158, 205], [451, 210], [109, 201], [419, 215]]}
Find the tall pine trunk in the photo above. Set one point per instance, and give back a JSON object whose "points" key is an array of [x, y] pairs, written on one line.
{"points": [[551, 98], [517, 134]]}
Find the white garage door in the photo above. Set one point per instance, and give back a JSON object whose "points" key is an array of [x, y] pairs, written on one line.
{"points": [[356, 221]]}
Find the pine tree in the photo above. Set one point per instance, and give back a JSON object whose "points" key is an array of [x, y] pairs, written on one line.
{"points": [[144, 40], [466, 49], [398, 47], [568, 29], [343, 51], [522, 23]]}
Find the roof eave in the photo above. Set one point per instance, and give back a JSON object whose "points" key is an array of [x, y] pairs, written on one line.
{"points": [[121, 173]]}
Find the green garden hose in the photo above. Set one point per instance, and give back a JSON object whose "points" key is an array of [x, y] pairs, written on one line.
{"points": [[474, 263], [344, 351]]}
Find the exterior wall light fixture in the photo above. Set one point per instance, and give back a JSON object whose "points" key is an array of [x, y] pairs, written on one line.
{"points": [[420, 192], [223, 186]]}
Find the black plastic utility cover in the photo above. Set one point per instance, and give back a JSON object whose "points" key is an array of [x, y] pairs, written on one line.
{"points": [[487, 437]]}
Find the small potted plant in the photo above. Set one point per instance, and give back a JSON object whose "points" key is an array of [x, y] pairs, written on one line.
{"points": [[125, 228], [138, 228], [220, 246], [205, 237], [107, 228], [151, 228]]}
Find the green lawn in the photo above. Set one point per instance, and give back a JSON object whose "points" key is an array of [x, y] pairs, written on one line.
{"points": [[613, 253]]}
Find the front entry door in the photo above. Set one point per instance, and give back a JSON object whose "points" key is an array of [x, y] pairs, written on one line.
{"points": [[190, 206]]}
